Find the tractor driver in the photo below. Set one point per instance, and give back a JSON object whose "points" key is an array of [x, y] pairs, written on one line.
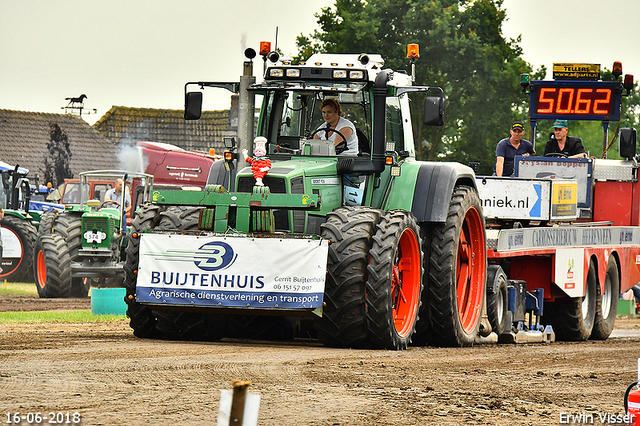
{"points": [[114, 196], [508, 148], [561, 144], [332, 115]]}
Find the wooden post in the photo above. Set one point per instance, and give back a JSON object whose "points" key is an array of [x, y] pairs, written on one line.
{"points": [[237, 402]]}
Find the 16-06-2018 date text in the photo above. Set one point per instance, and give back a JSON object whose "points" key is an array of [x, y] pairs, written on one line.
{"points": [[51, 417]]}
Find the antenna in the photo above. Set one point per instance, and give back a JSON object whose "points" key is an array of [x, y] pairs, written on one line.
{"points": [[276, 48]]}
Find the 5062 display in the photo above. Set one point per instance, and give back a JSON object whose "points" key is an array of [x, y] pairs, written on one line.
{"points": [[577, 100]]}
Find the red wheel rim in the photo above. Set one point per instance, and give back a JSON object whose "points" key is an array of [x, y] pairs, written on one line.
{"points": [[42, 269], [405, 282], [470, 274]]}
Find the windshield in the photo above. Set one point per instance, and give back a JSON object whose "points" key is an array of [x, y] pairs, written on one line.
{"points": [[294, 114]]}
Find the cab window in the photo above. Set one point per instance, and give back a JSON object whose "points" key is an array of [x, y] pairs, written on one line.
{"points": [[395, 129]]}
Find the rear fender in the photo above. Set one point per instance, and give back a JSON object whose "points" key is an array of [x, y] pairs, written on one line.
{"points": [[434, 186]]}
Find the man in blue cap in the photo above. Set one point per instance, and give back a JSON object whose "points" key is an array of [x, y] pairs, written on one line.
{"points": [[509, 147], [562, 145]]}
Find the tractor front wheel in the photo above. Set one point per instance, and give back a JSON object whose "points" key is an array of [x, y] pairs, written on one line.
{"points": [[51, 267], [395, 281], [142, 320], [344, 317]]}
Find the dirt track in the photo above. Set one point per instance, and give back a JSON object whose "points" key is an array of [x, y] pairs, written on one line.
{"points": [[112, 378]]}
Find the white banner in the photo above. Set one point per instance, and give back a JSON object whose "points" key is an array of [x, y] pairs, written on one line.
{"points": [[570, 271], [231, 271]]}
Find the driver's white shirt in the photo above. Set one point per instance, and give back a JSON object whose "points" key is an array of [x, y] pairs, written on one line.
{"points": [[114, 196], [352, 141]]}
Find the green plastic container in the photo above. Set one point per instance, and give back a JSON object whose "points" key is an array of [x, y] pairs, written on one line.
{"points": [[626, 307], [108, 301]]}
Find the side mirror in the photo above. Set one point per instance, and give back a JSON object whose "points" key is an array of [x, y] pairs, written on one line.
{"points": [[627, 143], [192, 105], [434, 111]]}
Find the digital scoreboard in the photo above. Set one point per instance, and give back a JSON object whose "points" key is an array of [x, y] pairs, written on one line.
{"points": [[575, 100]]}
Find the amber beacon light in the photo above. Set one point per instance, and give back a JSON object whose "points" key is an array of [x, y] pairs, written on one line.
{"points": [[413, 51]]}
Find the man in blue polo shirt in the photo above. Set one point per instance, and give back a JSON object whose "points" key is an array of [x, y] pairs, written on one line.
{"points": [[509, 147]]}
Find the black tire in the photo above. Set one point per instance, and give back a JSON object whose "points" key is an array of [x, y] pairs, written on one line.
{"points": [[262, 327], [141, 317], [497, 300], [53, 279], [457, 246], [175, 325], [172, 325], [46, 222], [18, 269], [344, 317], [394, 285], [573, 318], [607, 303], [69, 226]]}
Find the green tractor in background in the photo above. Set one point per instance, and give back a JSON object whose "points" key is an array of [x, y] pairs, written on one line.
{"points": [[20, 223], [83, 246]]}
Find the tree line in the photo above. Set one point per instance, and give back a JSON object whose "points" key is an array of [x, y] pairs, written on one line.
{"points": [[463, 51]]}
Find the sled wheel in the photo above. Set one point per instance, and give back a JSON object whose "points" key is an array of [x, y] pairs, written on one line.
{"points": [[573, 318], [497, 299], [344, 318], [607, 303], [395, 281], [457, 272]]}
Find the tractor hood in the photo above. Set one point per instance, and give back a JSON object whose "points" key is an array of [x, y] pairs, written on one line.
{"points": [[306, 167]]}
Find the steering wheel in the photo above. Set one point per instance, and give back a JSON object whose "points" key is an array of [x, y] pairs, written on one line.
{"points": [[327, 130], [556, 154], [341, 146], [109, 203]]}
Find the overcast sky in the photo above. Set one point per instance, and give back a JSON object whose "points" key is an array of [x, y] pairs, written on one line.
{"points": [[140, 53]]}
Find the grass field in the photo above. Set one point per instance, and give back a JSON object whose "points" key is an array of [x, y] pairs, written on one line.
{"points": [[56, 316], [21, 289], [18, 288]]}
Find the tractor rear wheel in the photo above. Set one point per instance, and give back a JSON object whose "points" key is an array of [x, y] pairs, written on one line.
{"points": [[394, 285], [457, 272], [573, 318], [51, 268], [69, 226], [344, 317], [142, 320], [19, 237], [46, 222], [607, 303]]}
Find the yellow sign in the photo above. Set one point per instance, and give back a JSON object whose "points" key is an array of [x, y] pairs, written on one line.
{"points": [[576, 71], [564, 199]]}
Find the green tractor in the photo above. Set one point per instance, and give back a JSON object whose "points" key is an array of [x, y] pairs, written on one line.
{"points": [[371, 250], [19, 225], [83, 246]]}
